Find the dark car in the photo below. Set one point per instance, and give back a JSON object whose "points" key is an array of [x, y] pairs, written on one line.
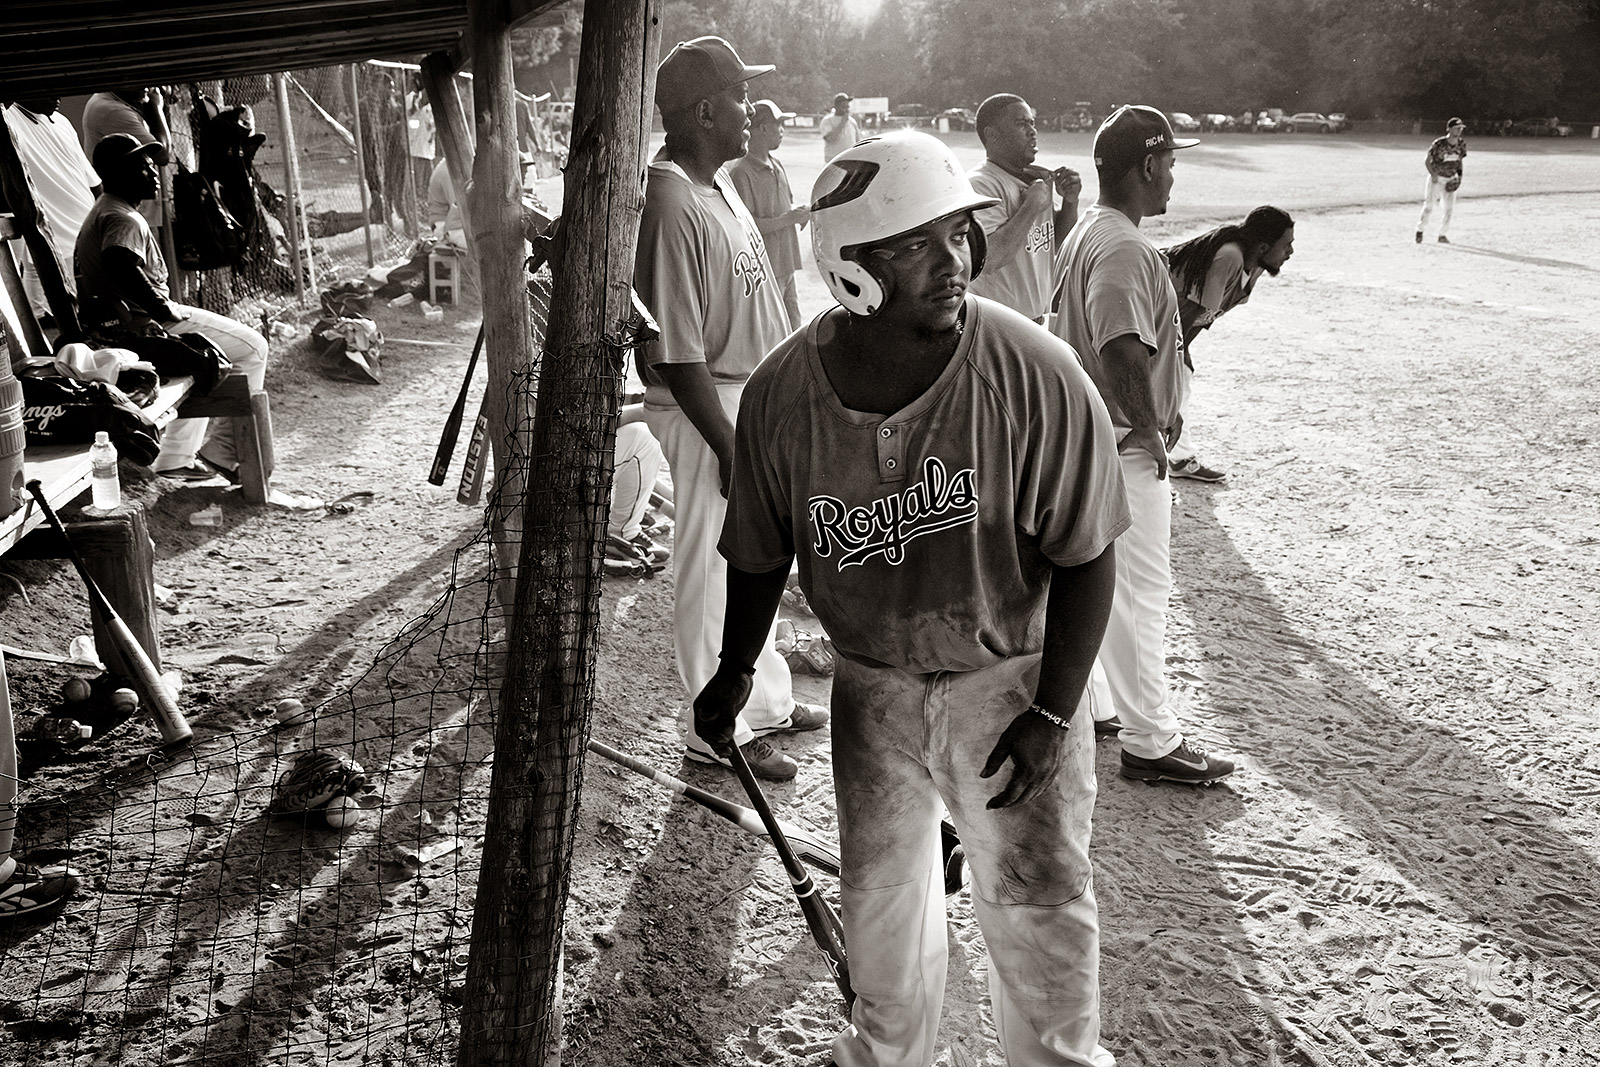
{"points": [[911, 115], [960, 118], [1541, 128], [1307, 122]]}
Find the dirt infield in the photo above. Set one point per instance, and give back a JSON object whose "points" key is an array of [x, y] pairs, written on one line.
{"points": [[1386, 614]]}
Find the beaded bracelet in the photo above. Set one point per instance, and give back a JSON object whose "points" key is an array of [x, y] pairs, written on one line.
{"points": [[1050, 716]]}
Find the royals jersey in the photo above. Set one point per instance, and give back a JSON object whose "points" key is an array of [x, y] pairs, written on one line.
{"points": [[926, 538], [702, 270], [1023, 284]]}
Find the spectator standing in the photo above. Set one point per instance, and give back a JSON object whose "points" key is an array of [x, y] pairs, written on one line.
{"points": [[839, 129], [947, 476], [1213, 274], [1025, 228], [702, 269], [64, 184], [1444, 159], [1119, 311], [142, 115], [763, 185]]}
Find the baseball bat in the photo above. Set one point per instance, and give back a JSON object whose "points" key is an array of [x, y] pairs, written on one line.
{"points": [[826, 930], [808, 846], [146, 679], [452, 424], [471, 487]]}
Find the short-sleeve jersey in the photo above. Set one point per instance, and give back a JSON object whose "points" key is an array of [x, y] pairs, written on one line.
{"points": [[925, 538], [61, 174], [764, 188], [1224, 287], [114, 223], [1023, 284], [838, 133], [1113, 281], [702, 270], [1444, 159]]}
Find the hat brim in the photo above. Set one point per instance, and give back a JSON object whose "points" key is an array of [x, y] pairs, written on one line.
{"points": [[755, 71], [1185, 142]]}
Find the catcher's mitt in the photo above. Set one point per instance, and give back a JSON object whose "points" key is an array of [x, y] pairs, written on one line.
{"points": [[1453, 184], [313, 779]]}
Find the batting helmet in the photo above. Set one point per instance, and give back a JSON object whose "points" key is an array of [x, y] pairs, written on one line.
{"points": [[878, 189]]}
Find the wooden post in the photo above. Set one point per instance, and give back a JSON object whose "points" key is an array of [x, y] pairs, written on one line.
{"points": [[118, 553], [361, 166], [291, 184], [508, 1012]]}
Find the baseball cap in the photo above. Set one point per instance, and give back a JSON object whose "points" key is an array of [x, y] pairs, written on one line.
{"points": [[114, 148], [767, 111], [696, 69], [845, 97], [1132, 132], [1454, 122]]}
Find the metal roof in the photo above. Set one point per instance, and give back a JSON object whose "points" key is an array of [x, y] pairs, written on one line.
{"points": [[69, 47]]}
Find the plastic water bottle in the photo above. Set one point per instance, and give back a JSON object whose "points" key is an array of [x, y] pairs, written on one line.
{"points": [[103, 486], [56, 728]]}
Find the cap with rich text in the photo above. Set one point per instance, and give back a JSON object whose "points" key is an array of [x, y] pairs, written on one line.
{"points": [[1453, 123], [1132, 132], [767, 111], [696, 69], [115, 148]]}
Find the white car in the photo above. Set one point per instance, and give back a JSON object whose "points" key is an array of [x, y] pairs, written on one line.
{"points": [[1182, 122]]}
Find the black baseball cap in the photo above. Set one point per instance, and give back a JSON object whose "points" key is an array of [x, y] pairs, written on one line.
{"points": [[114, 149], [1132, 132], [696, 69], [1454, 122]]}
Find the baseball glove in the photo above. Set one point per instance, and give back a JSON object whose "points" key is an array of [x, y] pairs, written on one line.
{"points": [[1453, 184], [313, 779]]}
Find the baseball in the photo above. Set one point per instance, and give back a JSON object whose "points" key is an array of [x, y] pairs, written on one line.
{"points": [[289, 711], [342, 812], [124, 701], [76, 690]]}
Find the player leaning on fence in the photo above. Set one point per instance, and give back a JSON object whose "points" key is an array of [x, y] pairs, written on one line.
{"points": [[702, 270], [946, 474]]}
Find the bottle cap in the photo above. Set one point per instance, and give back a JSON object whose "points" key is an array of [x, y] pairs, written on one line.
{"points": [[101, 437], [85, 731]]}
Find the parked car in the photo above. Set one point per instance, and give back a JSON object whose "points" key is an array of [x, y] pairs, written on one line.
{"points": [[1269, 120], [960, 118], [1214, 123], [1550, 127], [1339, 121], [1307, 121], [1182, 122]]}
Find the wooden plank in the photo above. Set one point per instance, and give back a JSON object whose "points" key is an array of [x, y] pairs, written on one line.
{"points": [[120, 556]]}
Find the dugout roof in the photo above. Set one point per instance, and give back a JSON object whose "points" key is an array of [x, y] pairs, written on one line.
{"points": [[72, 47]]}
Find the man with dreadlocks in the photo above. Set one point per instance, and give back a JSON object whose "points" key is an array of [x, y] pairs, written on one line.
{"points": [[1213, 274]]}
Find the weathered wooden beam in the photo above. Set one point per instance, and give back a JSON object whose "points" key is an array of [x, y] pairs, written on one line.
{"points": [[508, 1014]]}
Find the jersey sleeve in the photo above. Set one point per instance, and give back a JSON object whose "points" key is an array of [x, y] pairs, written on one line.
{"points": [[758, 531], [1071, 495], [994, 216], [121, 229], [1117, 299], [669, 275], [1225, 267]]}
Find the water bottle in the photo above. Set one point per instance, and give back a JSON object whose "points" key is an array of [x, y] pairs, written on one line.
{"points": [[56, 728], [104, 487]]}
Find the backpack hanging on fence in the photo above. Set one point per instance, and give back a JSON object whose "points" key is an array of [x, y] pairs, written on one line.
{"points": [[206, 233]]}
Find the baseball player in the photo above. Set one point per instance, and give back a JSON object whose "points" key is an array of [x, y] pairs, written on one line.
{"points": [[703, 271], [1213, 274], [1444, 175], [1025, 228], [1119, 311], [946, 475]]}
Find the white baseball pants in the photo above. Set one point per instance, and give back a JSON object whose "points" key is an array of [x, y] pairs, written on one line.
{"points": [[247, 349], [905, 747], [700, 577], [638, 461], [1134, 650], [1436, 192]]}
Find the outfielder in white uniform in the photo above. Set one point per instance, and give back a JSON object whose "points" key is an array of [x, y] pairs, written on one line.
{"points": [[946, 475], [1119, 311], [1444, 176], [703, 271]]}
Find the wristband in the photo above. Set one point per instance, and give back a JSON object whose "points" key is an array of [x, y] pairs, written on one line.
{"points": [[1050, 716], [733, 664]]}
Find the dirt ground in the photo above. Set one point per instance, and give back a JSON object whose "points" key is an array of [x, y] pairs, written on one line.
{"points": [[1384, 614]]}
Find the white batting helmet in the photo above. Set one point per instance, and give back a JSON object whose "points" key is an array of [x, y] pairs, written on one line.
{"points": [[875, 190]]}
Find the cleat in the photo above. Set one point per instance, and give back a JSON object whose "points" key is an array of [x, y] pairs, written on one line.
{"points": [[765, 761], [1419, 237], [1107, 727], [1187, 764], [1193, 469]]}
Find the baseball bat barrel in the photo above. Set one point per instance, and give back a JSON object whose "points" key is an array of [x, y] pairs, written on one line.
{"points": [[452, 424], [826, 930], [146, 679], [808, 846]]}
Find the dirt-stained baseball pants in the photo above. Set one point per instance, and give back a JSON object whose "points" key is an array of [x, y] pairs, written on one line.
{"points": [[1435, 192], [700, 576], [905, 747]]}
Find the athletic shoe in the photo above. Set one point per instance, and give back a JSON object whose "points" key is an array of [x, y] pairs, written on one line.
{"points": [[624, 559], [1419, 237], [196, 472], [1188, 763], [654, 554], [1193, 468], [764, 760], [1107, 727], [1443, 239], [31, 889], [656, 526], [804, 717]]}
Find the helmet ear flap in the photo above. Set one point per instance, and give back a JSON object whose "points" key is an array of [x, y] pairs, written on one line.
{"points": [[979, 245]]}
